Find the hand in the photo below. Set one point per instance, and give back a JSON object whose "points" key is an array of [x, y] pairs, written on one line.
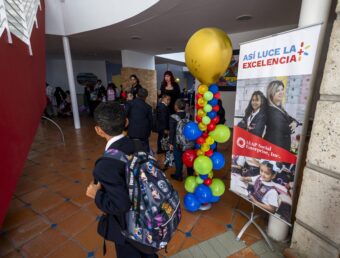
{"points": [[171, 147], [92, 189], [252, 198], [293, 125], [166, 132]]}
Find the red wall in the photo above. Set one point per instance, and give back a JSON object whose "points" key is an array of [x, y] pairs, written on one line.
{"points": [[22, 101]]}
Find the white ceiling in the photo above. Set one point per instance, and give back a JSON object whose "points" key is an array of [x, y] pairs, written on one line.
{"points": [[166, 26]]}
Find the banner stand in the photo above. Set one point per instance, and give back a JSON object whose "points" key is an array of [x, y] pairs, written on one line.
{"points": [[251, 220], [277, 229]]}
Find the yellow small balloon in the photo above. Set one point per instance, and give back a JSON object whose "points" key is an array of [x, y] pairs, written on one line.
{"points": [[205, 147], [200, 153], [201, 112], [202, 89], [211, 174], [202, 102], [202, 126], [209, 140], [208, 54]]}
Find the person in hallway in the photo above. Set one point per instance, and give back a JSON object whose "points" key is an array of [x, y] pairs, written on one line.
{"points": [[221, 113], [174, 138], [110, 193], [111, 92], [170, 87], [135, 85], [280, 125], [162, 117], [139, 114], [255, 117]]}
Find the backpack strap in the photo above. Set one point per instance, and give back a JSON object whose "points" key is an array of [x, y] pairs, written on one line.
{"points": [[176, 117], [115, 154]]}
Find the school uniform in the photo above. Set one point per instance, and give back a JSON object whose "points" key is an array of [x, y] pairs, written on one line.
{"points": [[113, 198], [265, 192], [163, 116]]}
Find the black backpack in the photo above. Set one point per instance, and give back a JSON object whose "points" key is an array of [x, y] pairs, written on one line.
{"points": [[155, 206]]}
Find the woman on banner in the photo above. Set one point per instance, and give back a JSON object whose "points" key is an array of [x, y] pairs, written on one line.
{"points": [[170, 87], [255, 117], [280, 125]]}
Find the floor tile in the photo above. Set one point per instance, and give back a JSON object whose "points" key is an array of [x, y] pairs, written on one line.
{"points": [[260, 247], [5, 246], [70, 249], [61, 212], [19, 217], [175, 244], [207, 228], [220, 213], [110, 251], [13, 254], [188, 220], [25, 186], [228, 240], [89, 238], [189, 242], [44, 201], [77, 222], [28, 231]]}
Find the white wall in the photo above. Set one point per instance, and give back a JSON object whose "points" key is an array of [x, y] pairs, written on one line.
{"points": [[56, 72], [84, 15], [228, 101], [137, 60]]}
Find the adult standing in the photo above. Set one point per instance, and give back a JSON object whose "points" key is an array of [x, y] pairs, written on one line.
{"points": [[139, 114], [280, 125], [171, 88], [135, 85]]}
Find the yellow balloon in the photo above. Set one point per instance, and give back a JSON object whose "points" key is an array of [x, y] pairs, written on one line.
{"points": [[209, 140], [205, 147], [202, 102], [201, 112], [208, 54], [202, 89], [202, 126], [200, 153], [211, 174]]}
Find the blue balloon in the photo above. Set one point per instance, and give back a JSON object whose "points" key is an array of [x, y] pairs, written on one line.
{"points": [[217, 160], [213, 88], [213, 146], [197, 146], [191, 131], [204, 176], [212, 114], [215, 199], [203, 193], [191, 203], [213, 102]]}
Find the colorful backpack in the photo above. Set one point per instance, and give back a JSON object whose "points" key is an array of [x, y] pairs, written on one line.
{"points": [[182, 142], [155, 206]]}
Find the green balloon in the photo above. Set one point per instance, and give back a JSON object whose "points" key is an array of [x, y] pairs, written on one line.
{"points": [[208, 95], [217, 187], [199, 180], [206, 120], [203, 165], [207, 108], [220, 134], [190, 184]]}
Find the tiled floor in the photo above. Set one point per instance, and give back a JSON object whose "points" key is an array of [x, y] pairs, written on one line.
{"points": [[50, 216]]}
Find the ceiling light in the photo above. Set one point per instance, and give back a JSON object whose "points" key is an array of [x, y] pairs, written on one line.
{"points": [[244, 17], [135, 38]]}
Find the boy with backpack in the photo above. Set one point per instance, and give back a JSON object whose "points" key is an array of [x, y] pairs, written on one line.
{"points": [[141, 209], [177, 142]]}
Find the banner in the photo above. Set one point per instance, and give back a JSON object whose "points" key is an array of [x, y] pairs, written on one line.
{"points": [[273, 87]]}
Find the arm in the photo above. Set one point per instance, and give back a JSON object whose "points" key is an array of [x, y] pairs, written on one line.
{"points": [[113, 197], [267, 207]]}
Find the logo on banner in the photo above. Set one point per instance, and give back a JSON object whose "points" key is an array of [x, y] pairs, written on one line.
{"points": [[275, 56]]}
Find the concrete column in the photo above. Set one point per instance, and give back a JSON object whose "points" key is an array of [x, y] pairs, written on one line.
{"points": [[317, 227], [142, 65], [70, 76]]}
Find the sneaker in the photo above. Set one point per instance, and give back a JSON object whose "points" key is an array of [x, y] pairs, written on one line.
{"points": [[177, 178]]}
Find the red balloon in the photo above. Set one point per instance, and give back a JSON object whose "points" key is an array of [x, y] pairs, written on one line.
{"points": [[199, 96], [207, 181], [198, 106], [216, 108], [188, 157], [217, 95], [211, 126], [215, 120], [209, 153], [198, 119], [200, 140], [205, 135]]}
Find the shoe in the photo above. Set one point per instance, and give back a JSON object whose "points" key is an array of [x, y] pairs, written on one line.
{"points": [[177, 178]]}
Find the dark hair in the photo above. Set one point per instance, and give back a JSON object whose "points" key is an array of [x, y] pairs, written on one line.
{"points": [[110, 118], [263, 106], [165, 96], [180, 104], [99, 80], [135, 76], [172, 78], [142, 93], [269, 165]]}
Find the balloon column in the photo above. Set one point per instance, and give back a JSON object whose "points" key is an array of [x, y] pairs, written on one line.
{"points": [[207, 55]]}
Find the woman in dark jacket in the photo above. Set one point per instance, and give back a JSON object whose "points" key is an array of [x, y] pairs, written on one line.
{"points": [[255, 118], [171, 88], [280, 125], [135, 85]]}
